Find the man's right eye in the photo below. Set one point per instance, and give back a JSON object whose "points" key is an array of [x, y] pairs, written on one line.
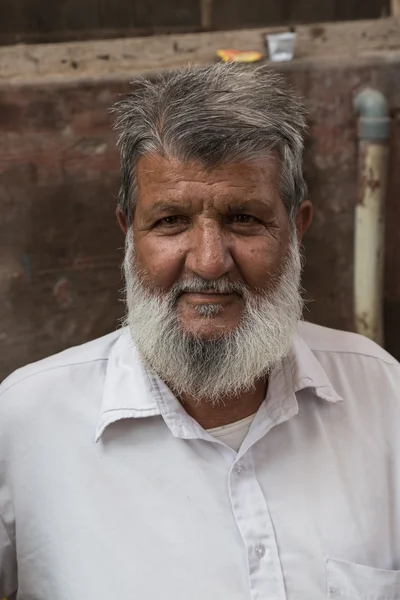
{"points": [[172, 221], [168, 220]]}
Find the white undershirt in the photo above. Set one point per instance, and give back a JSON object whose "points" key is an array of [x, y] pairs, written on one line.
{"points": [[233, 434]]}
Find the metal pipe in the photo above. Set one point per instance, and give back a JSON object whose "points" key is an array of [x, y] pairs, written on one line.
{"points": [[373, 133]]}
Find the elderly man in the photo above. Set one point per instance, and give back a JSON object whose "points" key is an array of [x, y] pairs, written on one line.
{"points": [[215, 448]]}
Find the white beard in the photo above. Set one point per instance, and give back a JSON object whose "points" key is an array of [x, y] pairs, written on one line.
{"points": [[231, 364]]}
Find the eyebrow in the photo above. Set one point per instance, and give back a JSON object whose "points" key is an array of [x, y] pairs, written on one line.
{"points": [[170, 207], [249, 204]]}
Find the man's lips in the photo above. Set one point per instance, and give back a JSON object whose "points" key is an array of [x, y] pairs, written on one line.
{"points": [[208, 297]]}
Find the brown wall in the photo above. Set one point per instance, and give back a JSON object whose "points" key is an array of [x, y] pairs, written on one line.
{"points": [[57, 20], [60, 247]]}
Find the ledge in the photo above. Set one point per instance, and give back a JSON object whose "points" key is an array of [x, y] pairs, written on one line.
{"points": [[122, 59]]}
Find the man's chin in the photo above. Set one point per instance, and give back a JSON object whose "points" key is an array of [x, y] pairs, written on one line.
{"points": [[209, 324], [208, 328]]}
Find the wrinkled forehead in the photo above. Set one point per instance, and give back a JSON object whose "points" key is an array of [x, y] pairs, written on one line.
{"points": [[164, 178], [156, 167]]}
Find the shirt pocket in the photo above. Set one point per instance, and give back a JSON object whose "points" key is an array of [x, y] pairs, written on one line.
{"points": [[350, 581]]}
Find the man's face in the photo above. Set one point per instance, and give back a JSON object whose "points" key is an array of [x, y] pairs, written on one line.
{"points": [[226, 224]]}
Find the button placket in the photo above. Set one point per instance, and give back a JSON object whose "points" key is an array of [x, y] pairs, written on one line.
{"points": [[254, 522], [260, 551], [237, 469]]}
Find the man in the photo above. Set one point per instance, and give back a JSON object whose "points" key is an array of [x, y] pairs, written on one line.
{"points": [[215, 448]]}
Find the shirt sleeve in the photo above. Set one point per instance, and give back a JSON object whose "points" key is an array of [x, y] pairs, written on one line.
{"points": [[8, 564], [8, 556]]}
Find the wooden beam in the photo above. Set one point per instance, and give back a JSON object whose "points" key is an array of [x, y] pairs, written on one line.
{"points": [[82, 35], [206, 10], [395, 7]]}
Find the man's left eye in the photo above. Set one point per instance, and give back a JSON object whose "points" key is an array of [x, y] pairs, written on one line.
{"points": [[243, 219]]}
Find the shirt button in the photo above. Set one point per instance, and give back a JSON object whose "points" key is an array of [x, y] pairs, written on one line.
{"points": [[260, 551], [237, 469]]}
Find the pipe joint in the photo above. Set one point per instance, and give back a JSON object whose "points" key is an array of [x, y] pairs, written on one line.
{"points": [[374, 122]]}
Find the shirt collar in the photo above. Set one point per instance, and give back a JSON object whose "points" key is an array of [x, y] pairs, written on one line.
{"points": [[307, 372], [130, 392]]}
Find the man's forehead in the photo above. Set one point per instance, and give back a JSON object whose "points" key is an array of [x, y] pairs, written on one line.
{"points": [[156, 170], [225, 205]]}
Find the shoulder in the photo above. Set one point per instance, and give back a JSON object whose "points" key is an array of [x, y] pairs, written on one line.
{"points": [[341, 345], [59, 372], [366, 378], [358, 369], [55, 397]]}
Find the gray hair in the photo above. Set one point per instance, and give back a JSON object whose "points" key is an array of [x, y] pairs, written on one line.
{"points": [[215, 115]]}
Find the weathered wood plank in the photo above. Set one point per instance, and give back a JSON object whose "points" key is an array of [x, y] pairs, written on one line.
{"points": [[230, 14], [312, 11], [395, 8], [41, 18], [45, 21]]}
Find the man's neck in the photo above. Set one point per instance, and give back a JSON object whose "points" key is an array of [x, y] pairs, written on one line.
{"points": [[227, 409]]}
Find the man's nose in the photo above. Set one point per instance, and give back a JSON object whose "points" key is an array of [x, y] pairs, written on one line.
{"points": [[209, 255]]}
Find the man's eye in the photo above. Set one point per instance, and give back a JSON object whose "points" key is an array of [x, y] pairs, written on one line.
{"points": [[171, 221], [243, 219]]}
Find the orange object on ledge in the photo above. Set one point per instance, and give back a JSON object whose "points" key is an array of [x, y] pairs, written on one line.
{"points": [[247, 56]]}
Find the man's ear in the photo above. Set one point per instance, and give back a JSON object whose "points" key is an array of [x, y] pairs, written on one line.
{"points": [[122, 220], [303, 219]]}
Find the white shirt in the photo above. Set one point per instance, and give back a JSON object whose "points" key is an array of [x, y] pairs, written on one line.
{"points": [[108, 489]]}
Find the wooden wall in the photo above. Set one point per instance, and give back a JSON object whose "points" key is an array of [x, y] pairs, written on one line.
{"points": [[62, 20]]}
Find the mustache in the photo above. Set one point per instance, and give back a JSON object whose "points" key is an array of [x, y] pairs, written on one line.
{"points": [[198, 285]]}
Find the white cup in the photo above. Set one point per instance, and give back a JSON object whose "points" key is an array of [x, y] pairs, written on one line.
{"points": [[281, 45]]}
